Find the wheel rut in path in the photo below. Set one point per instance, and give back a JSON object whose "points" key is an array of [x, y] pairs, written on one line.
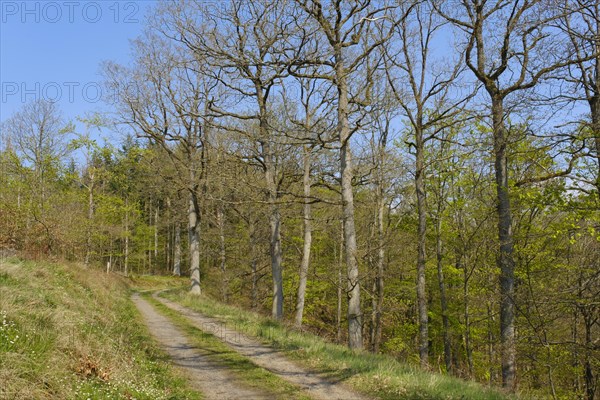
{"points": [[214, 381], [314, 384]]}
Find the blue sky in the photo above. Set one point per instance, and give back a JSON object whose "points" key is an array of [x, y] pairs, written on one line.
{"points": [[53, 50]]}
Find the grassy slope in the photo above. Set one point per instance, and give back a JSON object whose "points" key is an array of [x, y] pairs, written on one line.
{"points": [[72, 333], [377, 375]]}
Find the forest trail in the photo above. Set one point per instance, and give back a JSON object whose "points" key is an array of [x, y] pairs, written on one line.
{"points": [[314, 385], [212, 380]]}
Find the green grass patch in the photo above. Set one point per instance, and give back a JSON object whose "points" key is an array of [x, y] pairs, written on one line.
{"points": [[373, 374], [242, 367], [67, 332]]}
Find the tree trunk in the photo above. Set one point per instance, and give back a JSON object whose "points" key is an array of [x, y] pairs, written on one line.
{"points": [[595, 111], [194, 242], [126, 236], [379, 293], [338, 318], [276, 257], [222, 252], [505, 260], [90, 217], [167, 249], [253, 262], [467, 313], [170, 238], [274, 214], [373, 309], [421, 251], [574, 352], [443, 298], [307, 238], [355, 339], [275, 238], [177, 255], [589, 379], [491, 329], [594, 101], [156, 234]]}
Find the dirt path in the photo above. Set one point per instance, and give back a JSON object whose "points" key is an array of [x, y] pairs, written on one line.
{"points": [[213, 380], [315, 385]]}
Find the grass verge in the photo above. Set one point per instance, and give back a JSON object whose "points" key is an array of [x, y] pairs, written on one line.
{"points": [[243, 368], [67, 332], [373, 374]]}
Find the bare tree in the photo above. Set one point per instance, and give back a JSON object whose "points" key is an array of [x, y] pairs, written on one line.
{"points": [[177, 251], [242, 42], [307, 106], [383, 114], [339, 38], [431, 102], [308, 91], [163, 98]]}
